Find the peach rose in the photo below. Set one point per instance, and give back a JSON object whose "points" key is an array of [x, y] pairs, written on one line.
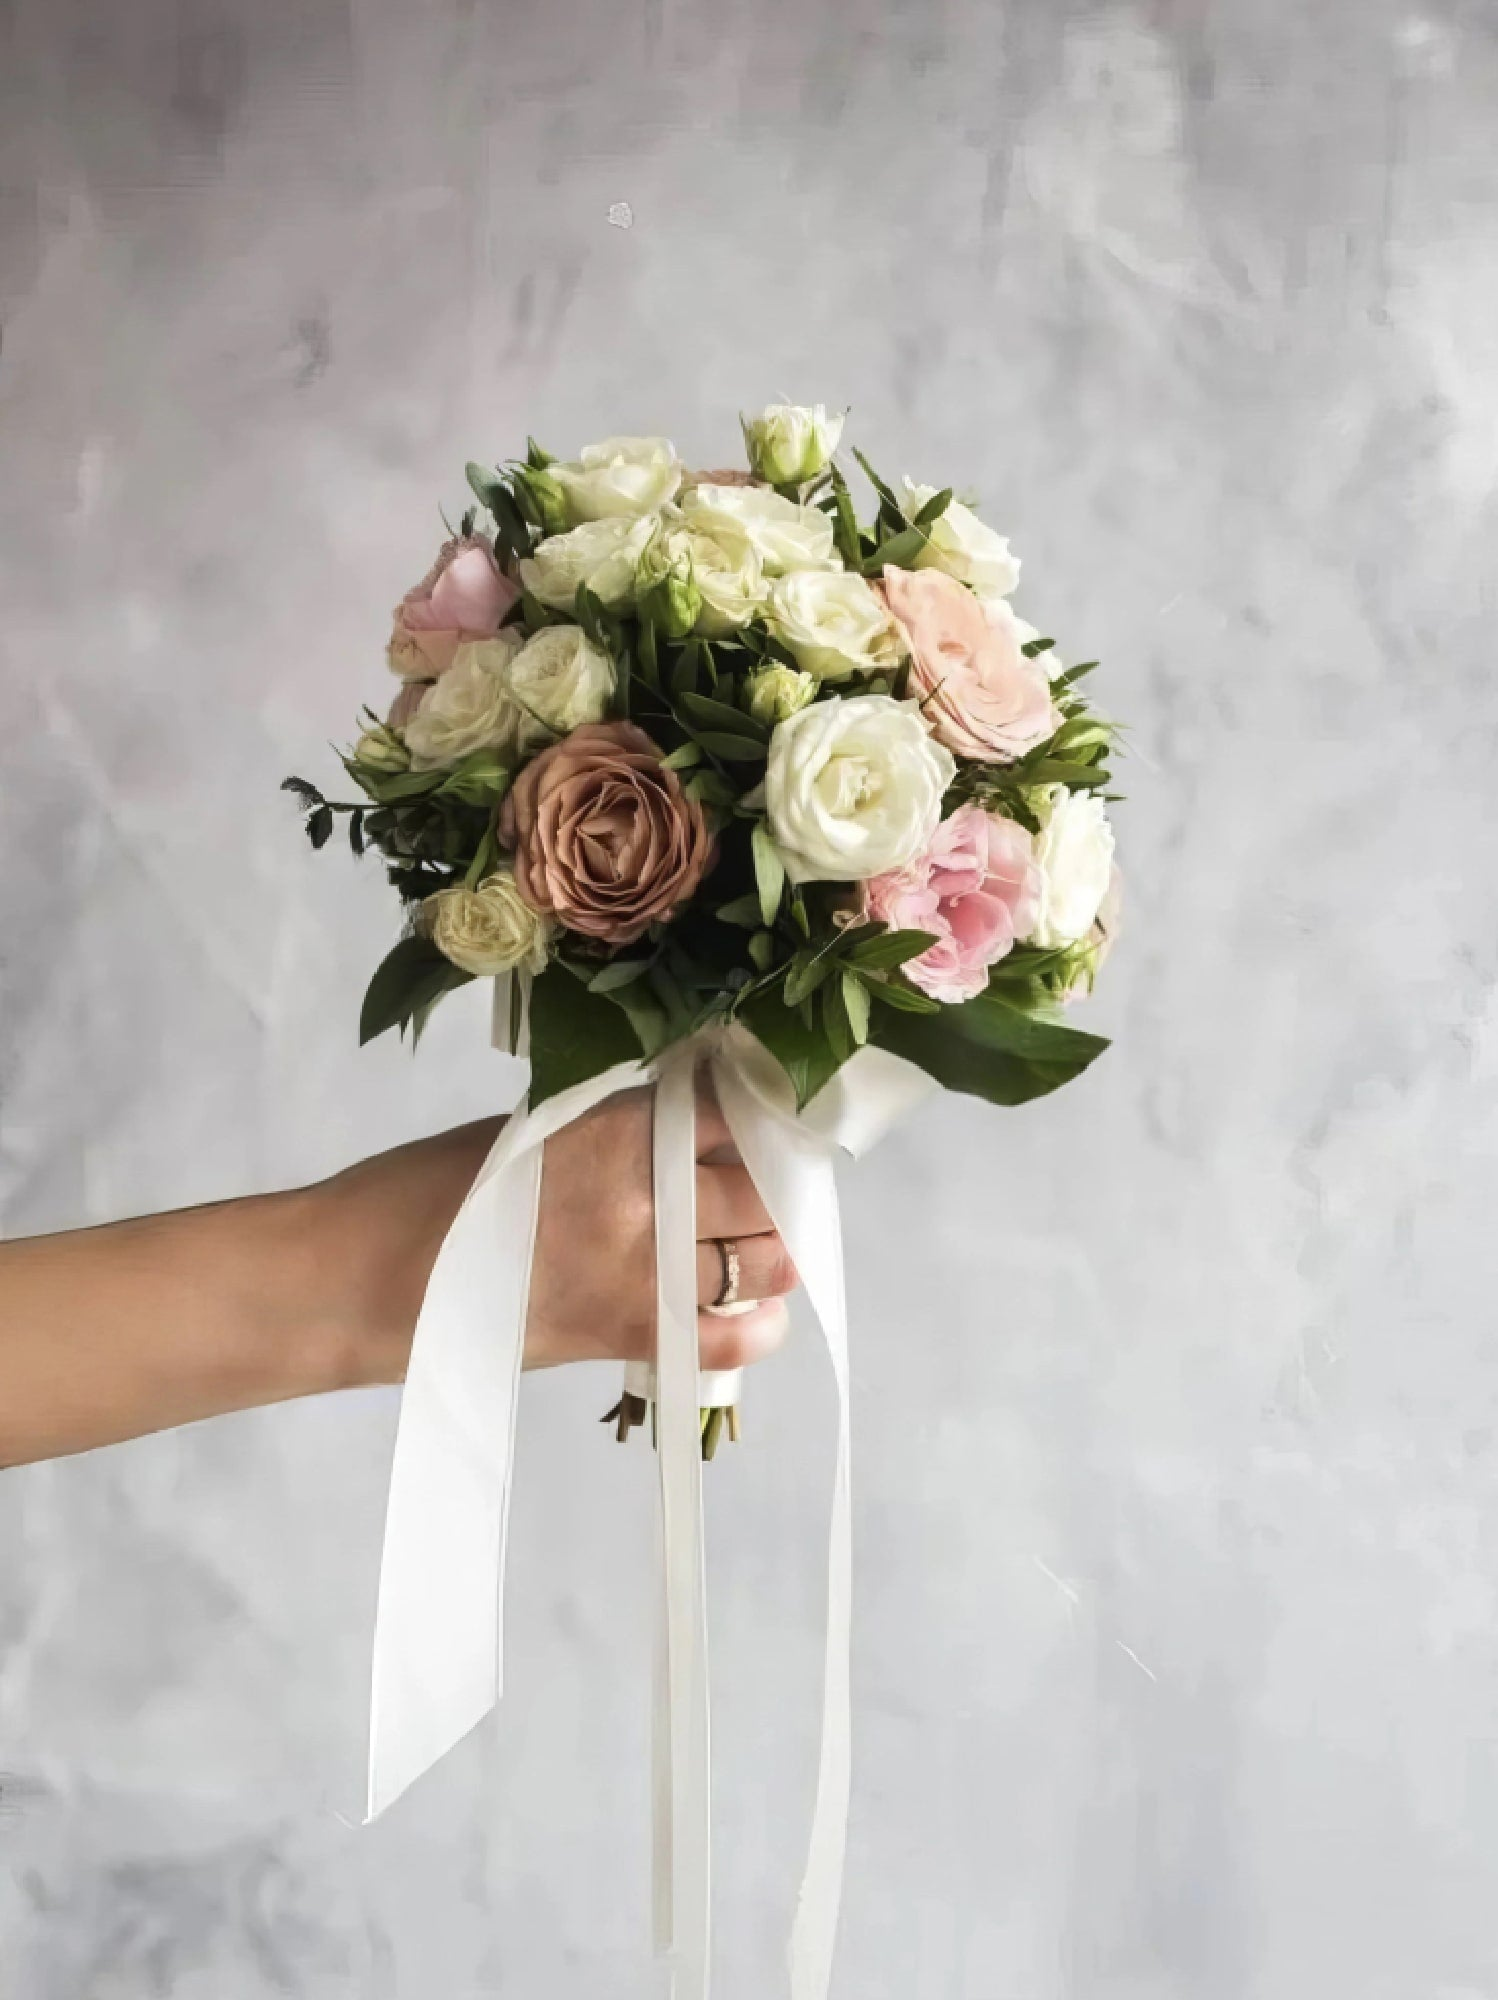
{"points": [[464, 595], [605, 840], [980, 695]]}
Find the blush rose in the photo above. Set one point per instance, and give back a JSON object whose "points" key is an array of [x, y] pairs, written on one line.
{"points": [[464, 595], [980, 695]]}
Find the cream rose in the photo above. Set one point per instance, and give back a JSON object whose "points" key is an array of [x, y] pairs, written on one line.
{"points": [[600, 554], [791, 442], [489, 929], [963, 546], [785, 536], [557, 681], [834, 624], [721, 563], [469, 708], [854, 788], [1075, 851], [618, 476]]}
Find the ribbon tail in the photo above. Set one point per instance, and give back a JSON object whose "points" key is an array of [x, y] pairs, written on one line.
{"points": [[683, 1903], [437, 1643], [793, 1171]]}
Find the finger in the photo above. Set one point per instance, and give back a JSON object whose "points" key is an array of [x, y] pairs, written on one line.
{"points": [[735, 1340], [765, 1269], [714, 1140], [728, 1204]]}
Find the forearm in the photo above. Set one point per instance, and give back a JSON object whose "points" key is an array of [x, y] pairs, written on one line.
{"points": [[107, 1333]]}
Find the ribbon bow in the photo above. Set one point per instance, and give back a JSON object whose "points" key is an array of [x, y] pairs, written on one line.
{"points": [[438, 1629]]}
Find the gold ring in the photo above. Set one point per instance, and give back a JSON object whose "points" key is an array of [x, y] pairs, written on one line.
{"points": [[728, 1251]]}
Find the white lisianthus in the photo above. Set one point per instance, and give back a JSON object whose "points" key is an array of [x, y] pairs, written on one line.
{"points": [[1075, 851], [720, 561], [618, 476], [601, 554], [556, 682], [791, 442], [834, 624], [854, 788], [777, 692], [490, 929], [786, 536], [469, 708], [963, 546]]}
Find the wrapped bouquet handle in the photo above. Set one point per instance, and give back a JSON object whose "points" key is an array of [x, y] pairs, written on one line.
{"points": [[438, 1635]]}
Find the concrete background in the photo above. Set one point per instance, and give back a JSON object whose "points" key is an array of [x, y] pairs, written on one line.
{"points": [[1177, 1395]]}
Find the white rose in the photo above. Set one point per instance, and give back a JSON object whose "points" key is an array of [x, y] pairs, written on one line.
{"points": [[785, 536], [600, 554], [834, 624], [557, 681], [720, 561], [490, 929], [791, 442], [963, 546], [854, 788], [1075, 851], [618, 476], [469, 708]]}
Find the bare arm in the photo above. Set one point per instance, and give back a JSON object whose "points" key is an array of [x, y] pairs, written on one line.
{"points": [[107, 1333]]}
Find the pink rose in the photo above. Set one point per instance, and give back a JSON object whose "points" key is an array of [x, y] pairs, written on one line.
{"points": [[976, 888], [464, 595], [980, 695]]}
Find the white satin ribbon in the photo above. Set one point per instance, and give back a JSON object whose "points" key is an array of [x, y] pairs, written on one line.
{"points": [[437, 1644]]}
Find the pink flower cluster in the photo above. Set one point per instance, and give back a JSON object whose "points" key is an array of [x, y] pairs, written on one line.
{"points": [[464, 595], [976, 889]]}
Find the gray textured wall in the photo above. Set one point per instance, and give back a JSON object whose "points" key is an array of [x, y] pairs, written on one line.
{"points": [[1176, 1396]]}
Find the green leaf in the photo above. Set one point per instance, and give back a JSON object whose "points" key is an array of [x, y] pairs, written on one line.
{"points": [[575, 1034], [356, 832], [899, 552], [1065, 771], [650, 672], [480, 780], [801, 1048], [733, 749], [885, 493], [856, 1006], [845, 522], [408, 979], [484, 859], [683, 757], [1033, 648], [769, 872], [536, 458], [684, 673], [388, 787], [743, 911], [711, 788], [808, 970], [618, 972], [308, 794], [1074, 674], [904, 998], [591, 616], [934, 508], [835, 1021], [889, 949], [990, 1048], [762, 950], [702, 712], [320, 826]]}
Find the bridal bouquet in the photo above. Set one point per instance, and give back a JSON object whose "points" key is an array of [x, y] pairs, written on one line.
{"points": [[721, 766]]}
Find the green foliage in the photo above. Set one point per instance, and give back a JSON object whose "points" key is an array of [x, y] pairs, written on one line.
{"points": [[407, 983], [990, 1048]]}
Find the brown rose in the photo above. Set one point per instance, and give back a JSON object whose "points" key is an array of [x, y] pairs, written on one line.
{"points": [[605, 840]]}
